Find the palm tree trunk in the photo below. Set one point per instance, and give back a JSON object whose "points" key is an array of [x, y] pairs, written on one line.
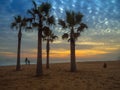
{"points": [[72, 47], [18, 67], [39, 70], [47, 51]]}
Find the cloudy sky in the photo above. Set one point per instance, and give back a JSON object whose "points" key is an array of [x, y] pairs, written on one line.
{"points": [[101, 41]]}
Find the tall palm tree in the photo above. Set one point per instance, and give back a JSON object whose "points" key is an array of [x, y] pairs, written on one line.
{"points": [[18, 23], [48, 36], [73, 21], [38, 17]]}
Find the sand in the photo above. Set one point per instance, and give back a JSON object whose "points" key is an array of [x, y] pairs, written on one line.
{"points": [[89, 76]]}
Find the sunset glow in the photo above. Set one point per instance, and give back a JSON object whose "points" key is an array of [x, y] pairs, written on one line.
{"points": [[59, 53]]}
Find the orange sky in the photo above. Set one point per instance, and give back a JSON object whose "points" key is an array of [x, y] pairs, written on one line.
{"points": [[60, 53]]}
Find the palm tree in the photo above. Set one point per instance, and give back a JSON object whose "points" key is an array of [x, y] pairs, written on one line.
{"points": [[38, 17], [48, 36], [73, 21], [18, 23]]}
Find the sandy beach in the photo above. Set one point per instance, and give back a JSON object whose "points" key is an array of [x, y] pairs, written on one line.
{"points": [[89, 76]]}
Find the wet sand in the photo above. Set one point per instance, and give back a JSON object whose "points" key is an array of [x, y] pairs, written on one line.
{"points": [[89, 76]]}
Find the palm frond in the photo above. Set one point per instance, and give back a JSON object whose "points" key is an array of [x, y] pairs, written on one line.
{"points": [[13, 24], [65, 36], [44, 8], [34, 3], [35, 11], [51, 20], [70, 18], [30, 20], [78, 17], [44, 39], [53, 37], [28, 28], [62, 23], [18, 19], [31, 12], [46, 31], [15, 18], [82, 27], [76, 35], [51, 40], [35, 24], [23, 22], [68, 40]]}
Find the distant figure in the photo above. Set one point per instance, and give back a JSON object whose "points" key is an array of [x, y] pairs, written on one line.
{"points": [[104, 65], [29, 62], [26, 60]]}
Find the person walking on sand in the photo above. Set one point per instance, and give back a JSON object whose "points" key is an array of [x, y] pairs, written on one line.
{"points": [[29, 62], [105, 65], [26, 60]]}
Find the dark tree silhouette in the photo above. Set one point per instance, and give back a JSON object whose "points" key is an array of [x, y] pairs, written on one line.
{"points": [[18, 23], [38, 14], [73, 21], [48, 37]]}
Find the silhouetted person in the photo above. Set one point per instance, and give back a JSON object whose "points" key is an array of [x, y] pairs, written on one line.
{"points": [[104, 65], [26, 61], [29, 62]]}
